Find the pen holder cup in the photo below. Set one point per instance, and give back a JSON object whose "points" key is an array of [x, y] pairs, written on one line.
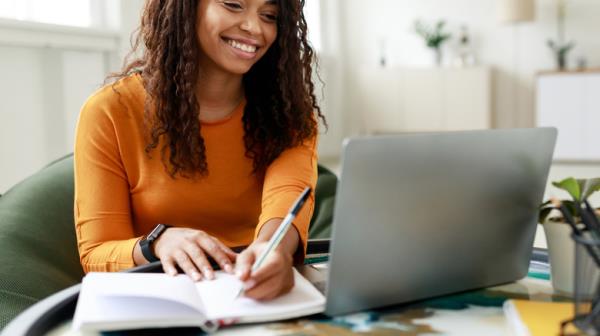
{"points": [[587, 282]]}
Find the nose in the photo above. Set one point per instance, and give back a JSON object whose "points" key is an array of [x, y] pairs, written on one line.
{"points": [[250, 24]]}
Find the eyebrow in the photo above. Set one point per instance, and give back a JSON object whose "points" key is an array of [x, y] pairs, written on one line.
{"points": [[271, 2]]}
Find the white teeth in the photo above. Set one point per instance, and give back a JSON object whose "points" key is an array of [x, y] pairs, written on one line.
{"points": [[242, 46]]}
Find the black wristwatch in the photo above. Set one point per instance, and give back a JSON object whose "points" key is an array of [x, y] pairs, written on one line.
{"points": [[146, 242]]}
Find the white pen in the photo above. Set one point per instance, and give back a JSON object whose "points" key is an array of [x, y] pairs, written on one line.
{"points": [[280, 232]]}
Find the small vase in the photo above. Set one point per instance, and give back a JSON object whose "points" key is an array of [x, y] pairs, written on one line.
{"points": [[561, 251], [561, 61], [438, 56]]}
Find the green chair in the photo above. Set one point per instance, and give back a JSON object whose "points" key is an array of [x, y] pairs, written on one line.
{"points": [[38, 248], [320, 224]]}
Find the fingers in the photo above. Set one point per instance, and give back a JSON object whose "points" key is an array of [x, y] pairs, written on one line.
{"points": [[229, 252], [272, 286], [168, 266], [215, 249], [189, 249], [244, 263], [198, 258], [276, 262], [186, 264], [266, 290]]}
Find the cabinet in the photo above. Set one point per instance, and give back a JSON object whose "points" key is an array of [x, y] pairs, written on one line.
{"points": [[393, 100], [571, 103]]}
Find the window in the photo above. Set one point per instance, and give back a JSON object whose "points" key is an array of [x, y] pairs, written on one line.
{"points": [[77, 13], [63, 12]]}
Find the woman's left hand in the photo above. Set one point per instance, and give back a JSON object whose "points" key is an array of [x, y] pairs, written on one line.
{"points": [[273, 278]]}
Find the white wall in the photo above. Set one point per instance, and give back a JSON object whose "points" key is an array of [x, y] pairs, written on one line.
{"points": [[47, 73], [331, 69], [22, 80], [42, 89], [517, 52]]}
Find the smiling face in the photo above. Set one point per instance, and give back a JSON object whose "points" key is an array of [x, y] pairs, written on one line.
{"points": [[234, 34]]}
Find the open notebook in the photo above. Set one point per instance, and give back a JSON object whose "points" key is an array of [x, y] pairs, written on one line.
{"points": [[118, 301]]}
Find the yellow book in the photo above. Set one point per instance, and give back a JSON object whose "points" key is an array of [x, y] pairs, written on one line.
{"points": [[537, 318]]}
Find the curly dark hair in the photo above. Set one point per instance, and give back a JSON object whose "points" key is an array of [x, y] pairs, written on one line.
{"points": [[281, 108]]}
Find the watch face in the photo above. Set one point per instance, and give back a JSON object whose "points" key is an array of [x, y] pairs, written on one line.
{"points": [[156, 232]]}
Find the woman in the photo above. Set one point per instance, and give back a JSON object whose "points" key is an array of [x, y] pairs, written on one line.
{"points": [[212, 132]]}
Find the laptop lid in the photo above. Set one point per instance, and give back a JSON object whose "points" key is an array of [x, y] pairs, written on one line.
{"points": [[422, 215]]}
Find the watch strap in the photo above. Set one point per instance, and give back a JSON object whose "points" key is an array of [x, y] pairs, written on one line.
{"points": [[147, 241]]}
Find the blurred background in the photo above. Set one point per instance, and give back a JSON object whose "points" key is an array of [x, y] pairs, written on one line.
{"points": [[388, 66]]}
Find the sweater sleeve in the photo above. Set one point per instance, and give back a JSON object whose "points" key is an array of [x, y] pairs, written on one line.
{"points": [[104, 229], [285, 179]]}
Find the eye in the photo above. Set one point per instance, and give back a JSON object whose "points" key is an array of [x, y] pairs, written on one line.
{"points": [[232, 5], [270, 17]]}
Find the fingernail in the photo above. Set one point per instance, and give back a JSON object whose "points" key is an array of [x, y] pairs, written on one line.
{"points": [[196, 276], [209, 273], [228, 268], [239, 273], [172, 272], [249, 284]]}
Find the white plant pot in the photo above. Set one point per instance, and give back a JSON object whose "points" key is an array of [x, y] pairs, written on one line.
{"points": [[561, 250], [438, 57]]}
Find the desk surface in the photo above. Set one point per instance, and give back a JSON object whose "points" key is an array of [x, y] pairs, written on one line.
{"points": [[472, 313]]}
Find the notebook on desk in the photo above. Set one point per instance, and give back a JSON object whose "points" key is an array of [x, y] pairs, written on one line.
{"points": [[116, 301]]}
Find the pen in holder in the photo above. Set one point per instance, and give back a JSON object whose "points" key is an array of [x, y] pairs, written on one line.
{"points": [[587, 283]]}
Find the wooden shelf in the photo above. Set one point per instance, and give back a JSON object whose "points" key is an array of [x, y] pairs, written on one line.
{"points": [[568, 72]]}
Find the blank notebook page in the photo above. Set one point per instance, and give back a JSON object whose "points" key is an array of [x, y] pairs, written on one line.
{"points": [[218, 298], [129, 298]]}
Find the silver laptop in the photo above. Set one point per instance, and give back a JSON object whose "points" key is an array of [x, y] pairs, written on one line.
{"points": [[422, 215]]}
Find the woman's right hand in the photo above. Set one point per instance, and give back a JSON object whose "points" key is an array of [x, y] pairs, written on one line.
{"points": [[189, 248]]}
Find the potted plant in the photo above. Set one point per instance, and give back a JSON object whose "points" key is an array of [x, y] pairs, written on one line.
{"points": [[434, 37], [561, 248], [560, 52], [560, 48]]}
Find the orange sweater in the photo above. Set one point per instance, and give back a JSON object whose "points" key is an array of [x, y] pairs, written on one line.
{"points": [[121, 194]]}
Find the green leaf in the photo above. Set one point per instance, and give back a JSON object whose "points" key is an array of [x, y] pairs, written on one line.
{"points": [[571, 186], [589, 187], [433, 35], [570, 205], [440, 25]]}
